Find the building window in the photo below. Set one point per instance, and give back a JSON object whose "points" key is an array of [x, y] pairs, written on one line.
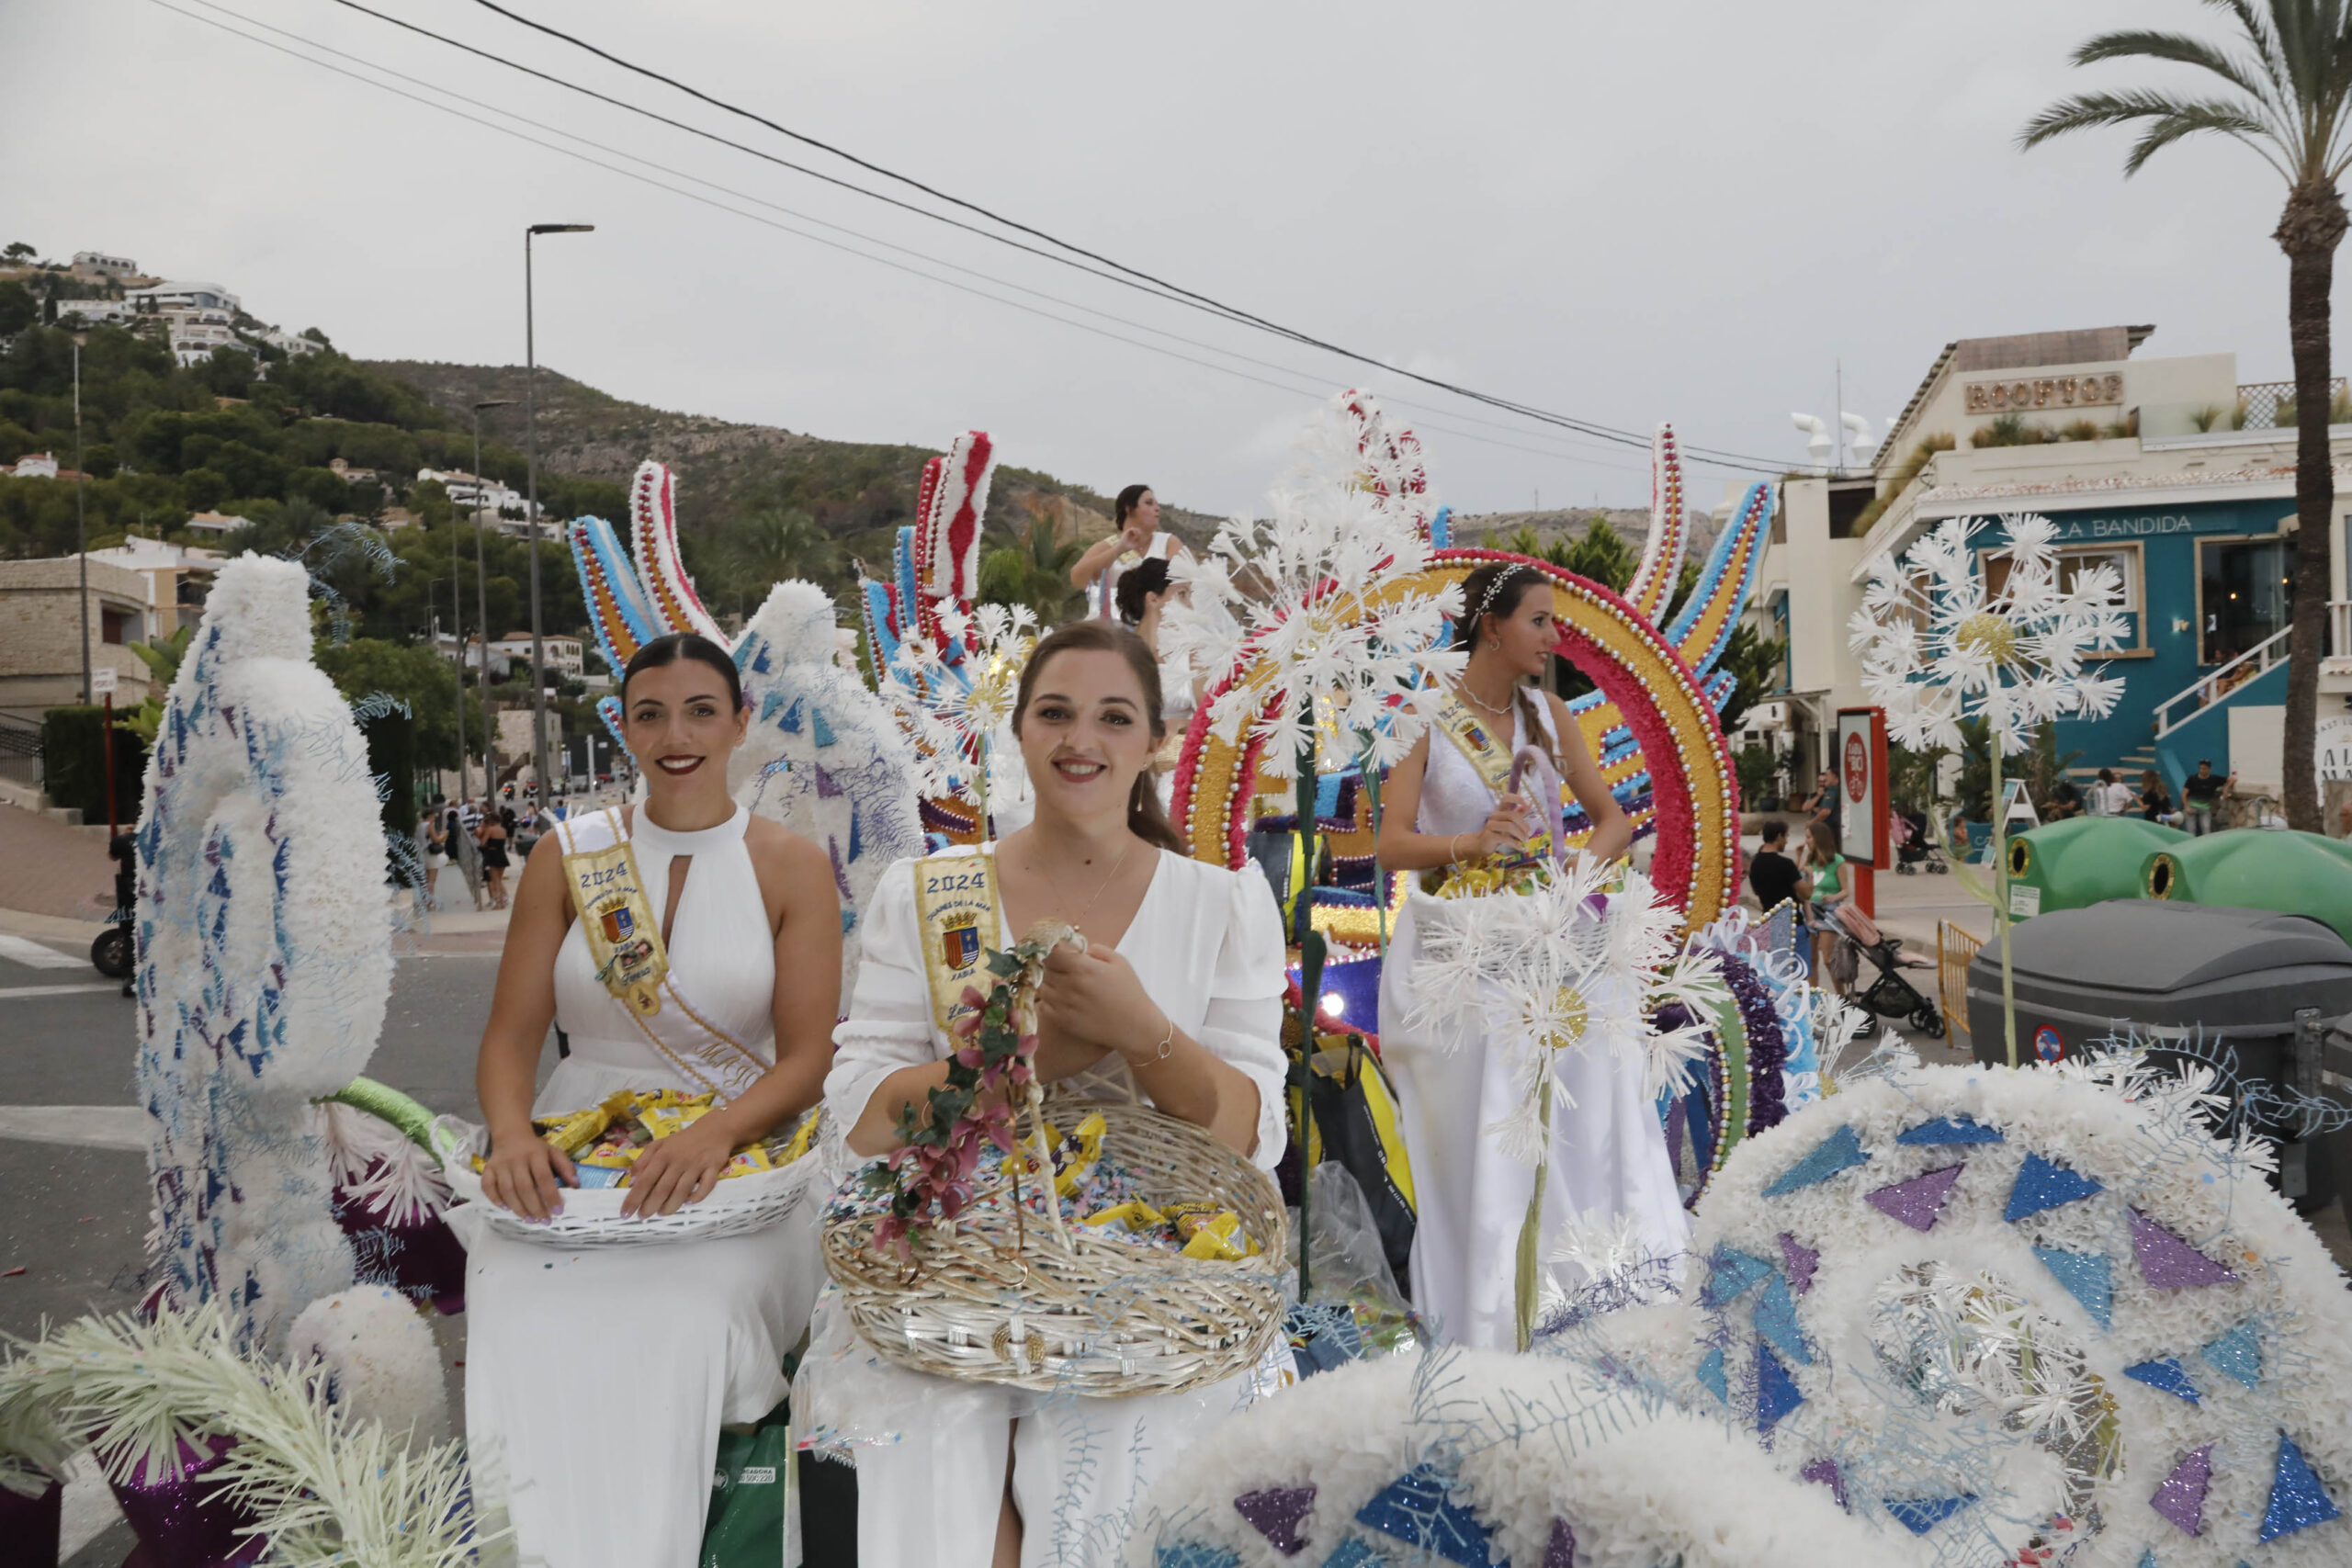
{"points": [[114, 626], [2128, 561], [2243, 590]]}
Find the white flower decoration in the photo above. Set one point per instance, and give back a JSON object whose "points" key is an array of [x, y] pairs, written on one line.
{"points": [[1937, 647], [954, 711]]}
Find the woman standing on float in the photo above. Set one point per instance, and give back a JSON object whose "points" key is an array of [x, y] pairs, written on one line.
{"points": [[1135, 536], [596, 1380], [1176, 999], [1446, 805]]}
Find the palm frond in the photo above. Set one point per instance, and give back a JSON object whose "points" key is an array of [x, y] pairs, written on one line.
{"points": [[2179, 49], [2176, 117]]}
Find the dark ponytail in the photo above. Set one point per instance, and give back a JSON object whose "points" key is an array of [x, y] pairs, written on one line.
{"points": [[1129, 498], [1146, 820]]}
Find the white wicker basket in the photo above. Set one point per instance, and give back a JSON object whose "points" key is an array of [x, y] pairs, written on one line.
{"points": [[1104, 1317], [591, 1216]]}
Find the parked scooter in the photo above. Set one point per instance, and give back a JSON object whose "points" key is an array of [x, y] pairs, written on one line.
{"points": [[113, 953]]}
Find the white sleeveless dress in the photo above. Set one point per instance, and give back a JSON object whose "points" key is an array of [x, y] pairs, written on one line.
{"points": [[596, 1380], [1608, 1156]]}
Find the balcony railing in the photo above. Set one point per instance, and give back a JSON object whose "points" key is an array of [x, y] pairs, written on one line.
{"points": [[2202, 694], [2338, 661], [2271, 405]]}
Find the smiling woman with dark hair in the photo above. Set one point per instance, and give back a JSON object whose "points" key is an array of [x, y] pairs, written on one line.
{"points": [[719, 972], [1135, 536], [1176, 1000]]}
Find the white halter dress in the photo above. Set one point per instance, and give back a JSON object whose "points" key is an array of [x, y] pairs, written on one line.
{"points": [[596, 1380], [1608, 1155]]}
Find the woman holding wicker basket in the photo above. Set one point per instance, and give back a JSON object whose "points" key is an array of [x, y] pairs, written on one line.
{"points": [[1173, 996], [684, 945]]}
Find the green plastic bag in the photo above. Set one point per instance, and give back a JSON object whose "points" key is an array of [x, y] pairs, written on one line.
{"points": [[745, 1528]]}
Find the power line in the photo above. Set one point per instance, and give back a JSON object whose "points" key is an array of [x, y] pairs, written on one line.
{"points": [[1721, 458], [1309, 391]]}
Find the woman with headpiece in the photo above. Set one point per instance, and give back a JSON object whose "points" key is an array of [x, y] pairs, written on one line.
{"points": [[682, 943], [1142, 593], [1136, 536], [1448, 809], [1175, 999]]}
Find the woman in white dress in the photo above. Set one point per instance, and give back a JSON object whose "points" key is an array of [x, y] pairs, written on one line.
{"points": [[1136, 536], [1142, 593], [1446, 804], [1178, 998], [596, 1380]]}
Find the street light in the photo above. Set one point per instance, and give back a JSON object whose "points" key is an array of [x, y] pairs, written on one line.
{"points": [[481, 613], [531, 508]]}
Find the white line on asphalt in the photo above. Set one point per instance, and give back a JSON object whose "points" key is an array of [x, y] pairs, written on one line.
{"points": [[88, 1126], [33, 955], [91, 989]]}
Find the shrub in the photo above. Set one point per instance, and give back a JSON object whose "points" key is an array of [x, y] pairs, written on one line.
{"points": [[74, 764], [2079, 429]]}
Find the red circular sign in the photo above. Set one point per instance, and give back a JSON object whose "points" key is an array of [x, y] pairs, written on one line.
{"points": [[1857, 768]]}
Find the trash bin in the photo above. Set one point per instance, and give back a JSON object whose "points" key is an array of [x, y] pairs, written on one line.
{"points": [[2266, 985]]}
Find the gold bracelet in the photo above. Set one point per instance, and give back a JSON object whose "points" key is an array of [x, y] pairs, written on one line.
{"points": [[1167, 1041]]}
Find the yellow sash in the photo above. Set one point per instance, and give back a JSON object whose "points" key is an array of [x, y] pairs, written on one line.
{"points": [[625, 939], [1487, 755], [624, 934], [955, 911]]}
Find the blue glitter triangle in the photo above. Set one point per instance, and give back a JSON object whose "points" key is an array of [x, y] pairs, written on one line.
{"points": [[824, 732], [1951, 1130], [2297, 1499], [1842, 1150], [1416, 1509], [1711, 1375], [2147, 1558], [2168, 1375], [2041, 1185], [1776, 1320], [2087, 1277], [1920, 1514], [2236, 1355], [1193, 1554], [1352, 1554], [1730, 1274], [1776, 1393]]}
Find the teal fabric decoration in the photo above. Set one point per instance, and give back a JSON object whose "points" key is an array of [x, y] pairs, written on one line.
{"points": [[1354, 1553], [2041, 1185], [1776, 1320], [818, 728], [1711, 1375], [1951, 1130], [2297, 1499], [1776, 1393], [2147, 1558], [2236, 1355], [1842, 1150], [2087, 1277], [1730, 1274], [1193, 1554], [2168, 1375], [1417, 1509], [1920, 1514]]}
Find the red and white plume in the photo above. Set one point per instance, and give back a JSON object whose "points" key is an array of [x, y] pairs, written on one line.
{"points": [[654, 513], [953, 503]]}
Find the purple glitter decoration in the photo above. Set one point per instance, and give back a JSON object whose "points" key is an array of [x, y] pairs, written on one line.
{"points": [[1560, 1551], [1768, 1045], [1917, 1202], [1800, 1261], [2170, 1263], [1276, 1514], [1822, 1472], [181, 1520], [2297, 1499], [2181, 1499]]}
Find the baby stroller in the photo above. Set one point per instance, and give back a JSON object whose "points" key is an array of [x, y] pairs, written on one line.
{"points": [[1913, 850], [1889, 995]]}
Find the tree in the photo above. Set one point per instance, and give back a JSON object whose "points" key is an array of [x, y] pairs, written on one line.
{"points": [[18, 253], [775, 543], [1033, 568], [2289, 75], [421, 680], [1756, 662]]}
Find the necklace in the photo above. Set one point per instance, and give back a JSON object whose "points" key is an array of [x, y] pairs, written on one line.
{"points": [[1462, 686], [1079, 921]]}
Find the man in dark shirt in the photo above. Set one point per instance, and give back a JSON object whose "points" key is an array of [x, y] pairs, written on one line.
{"points": [[1772, 875], [2201, 793]]}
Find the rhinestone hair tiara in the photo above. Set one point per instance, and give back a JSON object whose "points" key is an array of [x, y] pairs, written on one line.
{"points": [[1496, 587]]}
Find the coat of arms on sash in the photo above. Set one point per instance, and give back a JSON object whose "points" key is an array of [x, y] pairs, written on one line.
{"points": [[956, 904], [960, 940], [1470, 738]]}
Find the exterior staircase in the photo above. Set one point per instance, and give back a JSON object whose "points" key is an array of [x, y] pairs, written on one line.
{"points": [[2193, 721]]}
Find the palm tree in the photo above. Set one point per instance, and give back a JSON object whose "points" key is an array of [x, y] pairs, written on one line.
{"points": [[775, 543], [1033, 568], [2290, 101]]}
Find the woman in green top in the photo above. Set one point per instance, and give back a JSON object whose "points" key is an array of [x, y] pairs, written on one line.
{"points": [[1818, 856]]}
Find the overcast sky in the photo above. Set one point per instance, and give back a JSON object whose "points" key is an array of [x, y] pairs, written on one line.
{"points": [[1624, 213]]}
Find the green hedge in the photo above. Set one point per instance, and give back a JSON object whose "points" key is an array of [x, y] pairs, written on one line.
{"points": [[75, 768]]}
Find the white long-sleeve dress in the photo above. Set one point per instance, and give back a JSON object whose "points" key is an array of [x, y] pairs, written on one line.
{"points": [[596, 1380], [930, 1451], [1608, 1154]]}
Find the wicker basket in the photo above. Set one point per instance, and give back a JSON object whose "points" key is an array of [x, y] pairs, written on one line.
{"points": [[591, 1216], [1101, 1317]]}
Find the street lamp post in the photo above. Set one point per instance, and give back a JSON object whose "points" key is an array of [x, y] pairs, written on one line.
{"points": [[531, 508], [82, 533], [481, 607]]}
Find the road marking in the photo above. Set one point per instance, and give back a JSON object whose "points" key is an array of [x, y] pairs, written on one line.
{"points": [[86, 1127], [85, 990], [33, 955]]}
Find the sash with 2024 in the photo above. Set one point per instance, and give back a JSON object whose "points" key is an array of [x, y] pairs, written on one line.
{"points": [[956, 907]]}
